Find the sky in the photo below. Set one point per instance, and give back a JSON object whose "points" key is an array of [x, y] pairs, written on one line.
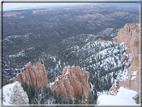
{"points": [[18, 6], [10, 6]]}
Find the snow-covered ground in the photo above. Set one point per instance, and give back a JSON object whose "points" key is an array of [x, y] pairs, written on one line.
{"points": [[7, 91], [123, 97]]}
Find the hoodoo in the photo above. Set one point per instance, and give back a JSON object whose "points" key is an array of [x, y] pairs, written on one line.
{"points": [[35, 75], [72, 82]]}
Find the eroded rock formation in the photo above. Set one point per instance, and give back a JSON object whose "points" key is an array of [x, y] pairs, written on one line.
{"points": [[14, 94], [35, 75], [129, 34], [72, 82]]}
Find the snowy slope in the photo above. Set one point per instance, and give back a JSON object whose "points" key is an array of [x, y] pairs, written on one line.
{"points": [[102, 60], [123, 97]]}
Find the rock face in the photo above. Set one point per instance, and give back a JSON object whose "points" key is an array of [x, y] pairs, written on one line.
{"points": [[114, 89], [129, 34], [35, 75], [14, 94], [72, 82]]}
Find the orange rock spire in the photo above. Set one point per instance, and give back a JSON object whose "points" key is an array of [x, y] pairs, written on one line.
{"points": [[73, 81], [35, 75]]}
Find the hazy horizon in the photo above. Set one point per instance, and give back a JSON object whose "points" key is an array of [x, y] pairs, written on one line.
{"points": [[20, 6], [23, 6]]}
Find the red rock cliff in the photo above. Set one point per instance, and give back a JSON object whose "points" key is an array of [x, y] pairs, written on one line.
{"points": [[35, 75], [129, 34], [72, 81]]}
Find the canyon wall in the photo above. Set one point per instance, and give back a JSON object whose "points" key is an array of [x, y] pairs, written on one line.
{"points": [[130, 35], [72, 82], [35, 75]]}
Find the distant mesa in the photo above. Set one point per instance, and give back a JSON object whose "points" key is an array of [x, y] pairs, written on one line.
{"points": [[73, 82], [35, 75], [12, 14], [69, 8]]}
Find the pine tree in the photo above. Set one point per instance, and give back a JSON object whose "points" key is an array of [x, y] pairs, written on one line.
{"points": [[70, 101], [64, 101], [4, 82], [32, 89], [59, 98], [43, 100], [83, 97], [55, 97], [90, 99], [76, 100], [95, 94]]}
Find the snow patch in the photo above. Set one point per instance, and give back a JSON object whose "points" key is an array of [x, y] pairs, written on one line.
{"points": [[50, 84], [132, 78], [134, 73], [67, 72], [104, 92], [92, 86], [115, 83], [123, 97], [21, 53]]}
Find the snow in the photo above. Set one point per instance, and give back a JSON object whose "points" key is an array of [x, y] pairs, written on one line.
{"points": [[50, 84], [115, 84], [116, 51], [126, 93], [57, 79], [92, 86], [13, 36], [132, 78], [67, 72], [134, 73], [21, 53], [7, 91], [112, 92], [104, 92], [31, 48], [123, 75], [123, 97]]}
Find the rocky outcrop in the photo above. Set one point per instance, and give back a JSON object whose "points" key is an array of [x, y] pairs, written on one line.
{"points": [[14, 94], [35, 75], [114, 89], [102, 40], [72, 82], [129, 34]]}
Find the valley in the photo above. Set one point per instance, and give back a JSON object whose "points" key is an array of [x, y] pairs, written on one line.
{"points": [[81, 36]]}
